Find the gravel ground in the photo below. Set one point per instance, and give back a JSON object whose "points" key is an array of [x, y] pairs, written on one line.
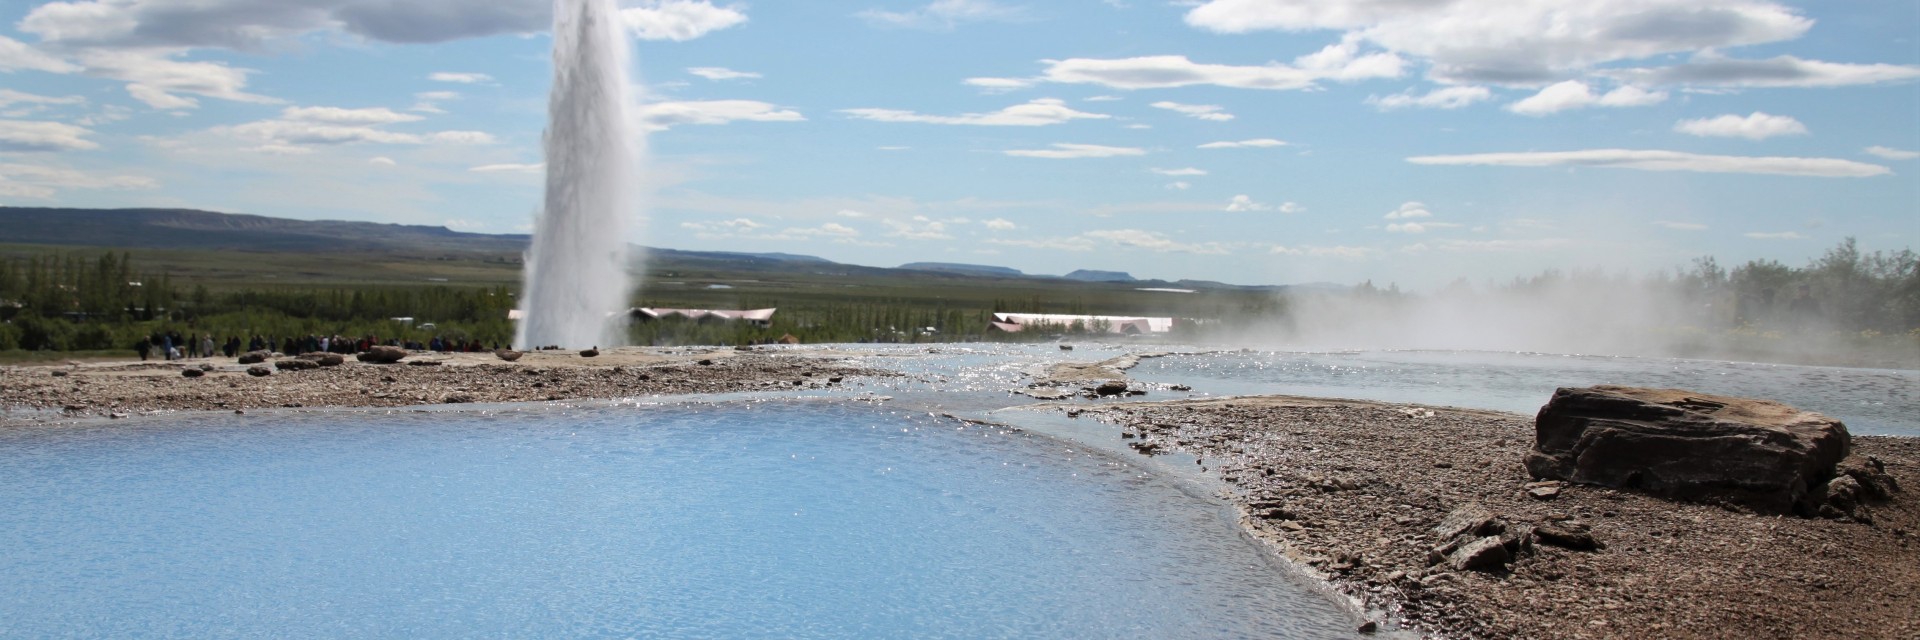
{"points": [[28, 394], [1353, 490]]}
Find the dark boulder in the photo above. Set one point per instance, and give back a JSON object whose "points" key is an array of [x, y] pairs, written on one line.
{"points": [[1677, 444], [324, 359], [1111, 388], [254, 357], [508, 355], [295, 364], [192, 373], [382, 354], [590, 353], [259, 370]]}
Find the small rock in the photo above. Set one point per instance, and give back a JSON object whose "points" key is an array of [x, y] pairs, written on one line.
{"points": [[1485, 554], [255, 357], [424, 363], [1111, 388], [1180, 387], [590, 353], [1066, 347], [192, 373], [1292, 525], [206, 367], [1568, 535], [1369, 627], [706, 363], [295, 364], [456, 398], [1544, 490], [59, 374], [834, 380], [259, 370], [1470, 519], [508, 355]]}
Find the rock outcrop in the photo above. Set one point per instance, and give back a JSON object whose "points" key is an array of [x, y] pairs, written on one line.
{"points": [[383, 354], [324, 359], [255, 357], [1677, 444]]}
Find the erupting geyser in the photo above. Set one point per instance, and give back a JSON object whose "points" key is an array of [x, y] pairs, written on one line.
{"points": [[576, 277]]}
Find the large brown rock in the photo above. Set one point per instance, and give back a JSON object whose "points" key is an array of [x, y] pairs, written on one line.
{"points": [[1689, 446], [382, 354]]}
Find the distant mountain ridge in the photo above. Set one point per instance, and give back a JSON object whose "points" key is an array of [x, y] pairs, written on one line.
{"points": [[193, 229], [1090, 275], [972, 269]]}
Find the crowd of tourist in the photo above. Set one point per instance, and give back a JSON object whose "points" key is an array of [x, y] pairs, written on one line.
{"points": [[173, 346]]}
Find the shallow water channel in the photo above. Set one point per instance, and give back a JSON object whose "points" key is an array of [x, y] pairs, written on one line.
{"points": [[743, 519]]}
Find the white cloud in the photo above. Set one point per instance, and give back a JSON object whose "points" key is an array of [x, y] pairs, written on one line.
{"points": [[1212, 112], [9, 97], [1418, 227], [537, 167], [1166, 72], [382, 161], [31, 135], [721, 73], [1891, 153], [1775, 235], [1000, 224], [1516, 41], [1574, 94], [679, 20], [1075, 243], [1441, 98], [1041, 112], [1258, 143], [18, 56], [1758, 126], [337, 115], [438, 95], [256, 25], [1068, 151], [1291, 207], [1409, 211], [1156, 242], [1103, 98], [999, 85], [459, 77], [299, 127], [1189, 171], [1709, 69], [41, 181], [1680, 226], [461, 137], [1180, 185], [1655, 160], [154, 77], [1343, 252], [659, 116], [1501, 246], [1245, 203], [942, 14], [919, 228]]}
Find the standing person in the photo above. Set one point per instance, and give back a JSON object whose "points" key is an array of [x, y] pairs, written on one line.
{"points": [[166, 346], [144, 346], [206, 345]]}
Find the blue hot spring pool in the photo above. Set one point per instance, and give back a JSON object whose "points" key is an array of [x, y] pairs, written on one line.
{"points": [[798, 519]]}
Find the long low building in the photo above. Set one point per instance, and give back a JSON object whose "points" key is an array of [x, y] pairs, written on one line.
{"points": [[756, 317], [1125, 325]]}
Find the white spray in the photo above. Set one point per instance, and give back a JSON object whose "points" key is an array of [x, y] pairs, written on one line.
{"points": [[576, 278]]}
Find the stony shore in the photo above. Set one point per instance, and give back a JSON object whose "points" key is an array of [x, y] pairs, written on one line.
{"points": [[121, 389], [1350, 490], [1353, 490]]}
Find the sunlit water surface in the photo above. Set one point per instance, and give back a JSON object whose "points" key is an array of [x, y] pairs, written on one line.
{"points": [[805, 519]]}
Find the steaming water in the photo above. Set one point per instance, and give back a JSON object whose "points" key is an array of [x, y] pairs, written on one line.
{"points": [[576, 279], [1869, 401], [977, 376], [742, 520]]}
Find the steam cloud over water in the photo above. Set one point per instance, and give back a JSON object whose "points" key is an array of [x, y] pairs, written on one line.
{"points": [[576, 279]]}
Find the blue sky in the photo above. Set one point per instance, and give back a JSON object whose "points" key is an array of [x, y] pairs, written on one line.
{"points": [[1247, 141]]}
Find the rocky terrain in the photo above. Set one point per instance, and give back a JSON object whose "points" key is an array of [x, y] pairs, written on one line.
{"points": [[1383, 501], [120, 389]]}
